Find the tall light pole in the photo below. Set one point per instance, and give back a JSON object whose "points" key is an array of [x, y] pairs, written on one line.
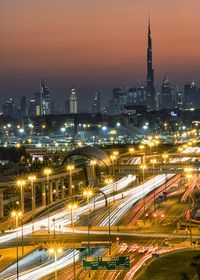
{"points": [[107, 204], [70, 168], [131, 151], [55, 251], [17, 215], [154, 161], [116, 154], [151, 145], [143, 167], [189, 177], [88, 194], [21, 184], [93, 162], [142, 148], [165, 157], [180, 151], [47, 172], [111, 181], [72, 207], [113, 158], [32, 178]]}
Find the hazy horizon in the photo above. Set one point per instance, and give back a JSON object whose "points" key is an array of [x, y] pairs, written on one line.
{"points": [[95, 45]]}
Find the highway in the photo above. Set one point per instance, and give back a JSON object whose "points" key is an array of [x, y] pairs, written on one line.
{"points": [[131, 197], [47, 268], [118, 210], [63, 218]]}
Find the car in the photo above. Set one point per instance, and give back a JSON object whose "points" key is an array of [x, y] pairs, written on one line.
{"points": [[142, 250]]}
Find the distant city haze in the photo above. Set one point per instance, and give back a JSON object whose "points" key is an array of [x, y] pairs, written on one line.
{"points": [[95, 45]]}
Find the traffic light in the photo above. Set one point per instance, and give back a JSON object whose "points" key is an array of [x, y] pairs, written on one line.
{"points": [[117, 240]]}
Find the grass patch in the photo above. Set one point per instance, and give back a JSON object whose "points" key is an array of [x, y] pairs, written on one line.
{"points": [[174, 266]]}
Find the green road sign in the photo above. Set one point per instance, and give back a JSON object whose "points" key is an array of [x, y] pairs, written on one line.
{"points": [[106, 263], [90, 263], [122, 262]]}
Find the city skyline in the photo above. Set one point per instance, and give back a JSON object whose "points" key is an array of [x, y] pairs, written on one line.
{"points": [[96, 48]]}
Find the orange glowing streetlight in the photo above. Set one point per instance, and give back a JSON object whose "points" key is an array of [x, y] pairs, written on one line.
{"points": [[21, 183], [88, 193], [32, 178], [70, 168], [17, 215], [72, 206], [55, 251], [47, 172], [142, 148], [131, 151]]}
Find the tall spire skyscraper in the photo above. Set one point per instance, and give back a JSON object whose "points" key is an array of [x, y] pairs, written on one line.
{"points": [[150, 73]]}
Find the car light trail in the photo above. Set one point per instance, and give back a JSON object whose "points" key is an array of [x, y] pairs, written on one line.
{"points": [[45, 269], [134, 195], [63, 218]]}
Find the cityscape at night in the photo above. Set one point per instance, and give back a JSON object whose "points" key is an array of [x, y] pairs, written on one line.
{"points": [[99, 140]]}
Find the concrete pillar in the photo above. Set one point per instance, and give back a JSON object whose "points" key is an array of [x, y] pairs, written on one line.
{"points": [[57, 188], [62, 187], [44, 202], [1, 205], [50, 191]]}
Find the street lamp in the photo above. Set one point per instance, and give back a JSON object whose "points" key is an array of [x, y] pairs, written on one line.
{"points": [[32, 178], [93, 162], [88, 194], [106, 204], [180, 151], [142, 147], [70, 168], [151, 145], [113, 158], [154, 161], [194, 141], [143, 167], [109, 181], [189, 177], [165, 157], [47, 172], [72, 207], [116, 153], [55, 251], [21, 184], [157, 142], [131, 151], [17, 214]]}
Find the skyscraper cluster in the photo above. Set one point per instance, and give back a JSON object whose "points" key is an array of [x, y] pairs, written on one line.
{"points": [[165, 97]]}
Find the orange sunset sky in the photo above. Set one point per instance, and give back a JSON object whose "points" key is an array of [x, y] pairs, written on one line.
{"points": [[95, 44]]}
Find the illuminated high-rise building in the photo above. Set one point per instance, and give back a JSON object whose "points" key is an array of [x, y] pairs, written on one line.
{"points": [[23, 108], [150, 100], [32, 108], [166, 94], [73, 101], [9, 108], [37, 99], [44, 98], [191, 95], [96, 105]]}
